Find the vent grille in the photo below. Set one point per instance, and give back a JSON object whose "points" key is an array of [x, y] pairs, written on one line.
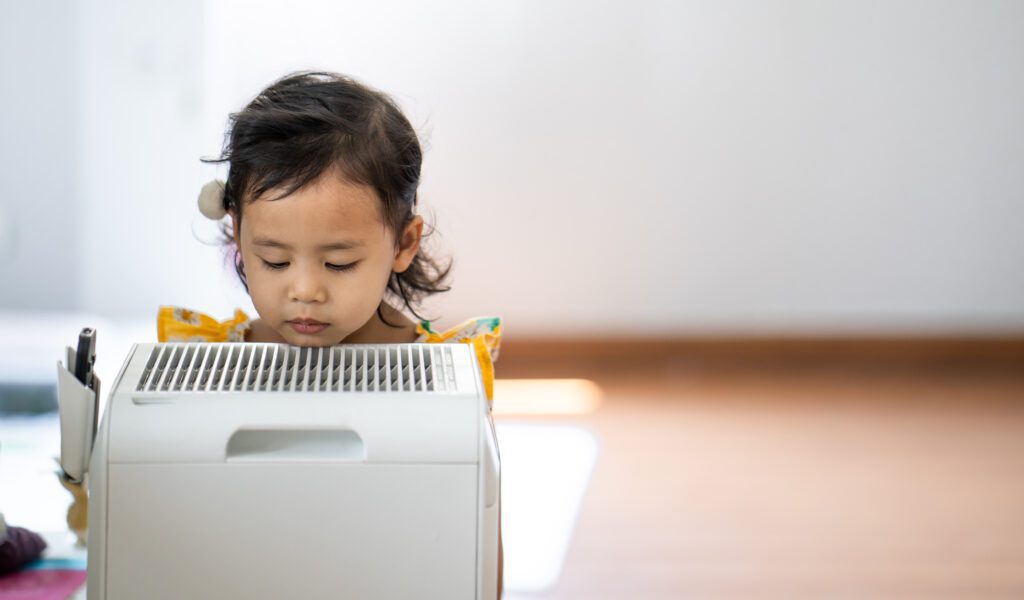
{"points": [[220, 367]]}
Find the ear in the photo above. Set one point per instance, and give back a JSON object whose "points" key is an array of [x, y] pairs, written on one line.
{"points": [[408, 244]]}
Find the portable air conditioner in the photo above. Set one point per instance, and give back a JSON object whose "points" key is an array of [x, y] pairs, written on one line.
{"points": [[243, 470]]}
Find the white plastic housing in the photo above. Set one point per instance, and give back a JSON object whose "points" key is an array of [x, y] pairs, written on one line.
{"points": [[270, 471]]}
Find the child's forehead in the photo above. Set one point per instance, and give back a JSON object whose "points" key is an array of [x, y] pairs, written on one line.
{"points": [[329, 206]]}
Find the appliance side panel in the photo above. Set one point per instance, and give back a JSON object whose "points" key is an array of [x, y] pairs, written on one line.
{"points": [[99, 463], [488, 508], [96, 558]]}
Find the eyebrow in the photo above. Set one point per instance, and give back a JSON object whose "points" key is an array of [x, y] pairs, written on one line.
{"points": [[341, 245]]}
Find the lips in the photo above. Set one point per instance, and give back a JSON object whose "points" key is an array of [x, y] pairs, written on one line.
{"points": [[307, 325], [307, 322]]}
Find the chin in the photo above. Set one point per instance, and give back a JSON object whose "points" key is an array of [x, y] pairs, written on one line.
{"points": [[323, 339], [311, 341]]}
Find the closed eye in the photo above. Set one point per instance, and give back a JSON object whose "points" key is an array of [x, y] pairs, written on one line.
{"points": [[340, 267], [274, 266]]}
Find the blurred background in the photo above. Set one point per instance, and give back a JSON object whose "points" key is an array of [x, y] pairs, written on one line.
{"points": [[760, 264]]}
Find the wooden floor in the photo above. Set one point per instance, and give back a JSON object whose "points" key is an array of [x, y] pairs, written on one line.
{"points": [[778, 483]]}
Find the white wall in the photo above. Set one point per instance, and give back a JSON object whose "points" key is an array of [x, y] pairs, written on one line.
{"points": [[606, 167], [38, 230], [141, 110]]}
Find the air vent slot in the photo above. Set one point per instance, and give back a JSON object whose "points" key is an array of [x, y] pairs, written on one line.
{"points": [[231, 367]]}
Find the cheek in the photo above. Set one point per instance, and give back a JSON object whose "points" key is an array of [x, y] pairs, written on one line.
{"points": [[358, 291], [376, 281], [261, 290], [358, 297]]}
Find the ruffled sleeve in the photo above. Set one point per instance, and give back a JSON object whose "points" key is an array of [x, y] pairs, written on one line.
{"points": [[483, 333], [175, 324]]}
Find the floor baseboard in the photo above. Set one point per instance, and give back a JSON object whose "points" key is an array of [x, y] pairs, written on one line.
{"points": [[544, 356]]}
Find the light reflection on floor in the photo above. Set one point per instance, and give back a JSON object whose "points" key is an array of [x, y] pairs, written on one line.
{"points": [[545, 397], [545, 470], [30, 494]]}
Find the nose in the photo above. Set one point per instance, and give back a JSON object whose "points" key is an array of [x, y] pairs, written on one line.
{"points": [[307, 287]]}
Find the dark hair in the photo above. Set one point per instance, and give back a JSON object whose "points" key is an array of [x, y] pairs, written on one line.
{"points": [[308, 122]]}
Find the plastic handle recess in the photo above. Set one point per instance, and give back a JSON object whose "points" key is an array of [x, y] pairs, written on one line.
{"points": [[295, 445]]}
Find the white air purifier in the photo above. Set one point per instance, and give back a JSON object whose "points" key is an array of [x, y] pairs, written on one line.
{"points": [[241, 470]]}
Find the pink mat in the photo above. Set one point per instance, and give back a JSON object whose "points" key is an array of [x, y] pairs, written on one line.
{"points": [[41, 584]]}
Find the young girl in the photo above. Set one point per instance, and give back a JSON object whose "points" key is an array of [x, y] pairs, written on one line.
{"points": [[321, 195]]}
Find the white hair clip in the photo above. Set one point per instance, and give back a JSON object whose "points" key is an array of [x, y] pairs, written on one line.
{"points": [[211, 200]]}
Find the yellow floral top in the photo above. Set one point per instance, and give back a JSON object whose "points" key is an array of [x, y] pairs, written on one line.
{"points": [[176, 324]]}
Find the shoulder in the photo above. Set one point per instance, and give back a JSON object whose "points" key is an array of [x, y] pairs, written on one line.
{"points": [[178, 324], [482, 331]]}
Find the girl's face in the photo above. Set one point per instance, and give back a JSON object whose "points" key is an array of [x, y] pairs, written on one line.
{"points": [[324, 254]]}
